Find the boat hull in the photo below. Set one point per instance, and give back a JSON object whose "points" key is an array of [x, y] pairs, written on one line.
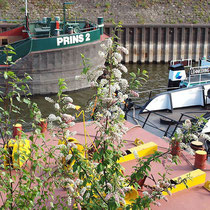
{"points": [[47, 67]]}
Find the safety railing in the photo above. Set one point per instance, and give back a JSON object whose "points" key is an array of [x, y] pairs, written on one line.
{"points": [[184, 62], [171, 124]]}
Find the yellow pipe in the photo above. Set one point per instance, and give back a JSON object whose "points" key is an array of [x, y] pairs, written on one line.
{"points": [[192, 178], [142, 150], [85, 131]]}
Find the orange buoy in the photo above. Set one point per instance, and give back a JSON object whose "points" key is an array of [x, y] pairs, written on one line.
{"points": [[196, 145], [17, 130], [57, 24], [200, 159]]}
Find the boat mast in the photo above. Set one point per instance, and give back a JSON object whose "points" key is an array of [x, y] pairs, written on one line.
{"points": [[64, 14], [26, 14]]}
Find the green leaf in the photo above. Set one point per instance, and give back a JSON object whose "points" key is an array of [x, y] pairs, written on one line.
{"points": [[26, 101], [12, 52], [18, 98], [9, 58], [132, 74], [85, 70], [9, 47], [61, 81], [28, 77], [5, 75]]}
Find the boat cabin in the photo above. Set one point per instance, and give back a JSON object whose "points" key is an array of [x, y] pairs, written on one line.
{"points": [[179, 77], [197, 76], [45, 28]]}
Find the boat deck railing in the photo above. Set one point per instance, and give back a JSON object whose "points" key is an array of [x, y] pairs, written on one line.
{"points": [[186, 114], [199, 78], [146, 122], [45, 31], [184, 62], [171, 124], [153, 92], [18, 21]]}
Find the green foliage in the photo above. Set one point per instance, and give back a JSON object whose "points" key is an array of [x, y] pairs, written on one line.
{"points": [[137, 79], [107, 5], [31, 185], [22, 9], [141, 19], [109, 20], [106, 10], [90, 174], [86, 64], [4, 4], [109, 142], [98, 5]]}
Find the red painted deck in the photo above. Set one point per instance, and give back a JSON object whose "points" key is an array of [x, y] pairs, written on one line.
{"points": [[194, 198]]}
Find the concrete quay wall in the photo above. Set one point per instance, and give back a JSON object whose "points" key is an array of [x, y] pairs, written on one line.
{"points": [[159, 43], [162, 43]]}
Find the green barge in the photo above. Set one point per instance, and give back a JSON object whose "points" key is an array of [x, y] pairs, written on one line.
{"points": [[51, 49]]}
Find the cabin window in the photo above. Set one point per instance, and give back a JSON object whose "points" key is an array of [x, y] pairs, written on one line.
{"points": [[4, 41], [4, 29]]}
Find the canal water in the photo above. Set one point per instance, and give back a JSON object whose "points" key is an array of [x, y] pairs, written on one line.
{"points": [[158, 79]]}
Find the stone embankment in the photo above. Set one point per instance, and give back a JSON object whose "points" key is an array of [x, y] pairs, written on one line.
{"points": [[129, 12]]}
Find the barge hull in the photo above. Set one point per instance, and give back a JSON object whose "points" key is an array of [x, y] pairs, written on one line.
{"points": [[47, 67]]}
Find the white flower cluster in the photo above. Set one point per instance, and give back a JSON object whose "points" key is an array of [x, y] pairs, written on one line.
{"points": [[68, 99], [192, 136], [122, 49], [118, 194], [52, 118], [57, 106], [109, 43], [67, 118], [117, 73], [102, 54], [75, 190], [68, 157], [134, 93], [118, 57], [49, 99], [179, 133], [187, 124], [70, 106], [115, 57], [94, 74], [71, 145], [122, 68], [136, 154], [123, 83], [158, 188], [204, 136]]}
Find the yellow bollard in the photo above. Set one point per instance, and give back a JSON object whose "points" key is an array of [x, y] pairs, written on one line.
{"points": [[207, 185], [19, 151], [142, 150], [80, 148]]}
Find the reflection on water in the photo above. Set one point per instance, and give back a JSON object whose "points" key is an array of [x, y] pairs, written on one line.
{"points": [[158, 78]]}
